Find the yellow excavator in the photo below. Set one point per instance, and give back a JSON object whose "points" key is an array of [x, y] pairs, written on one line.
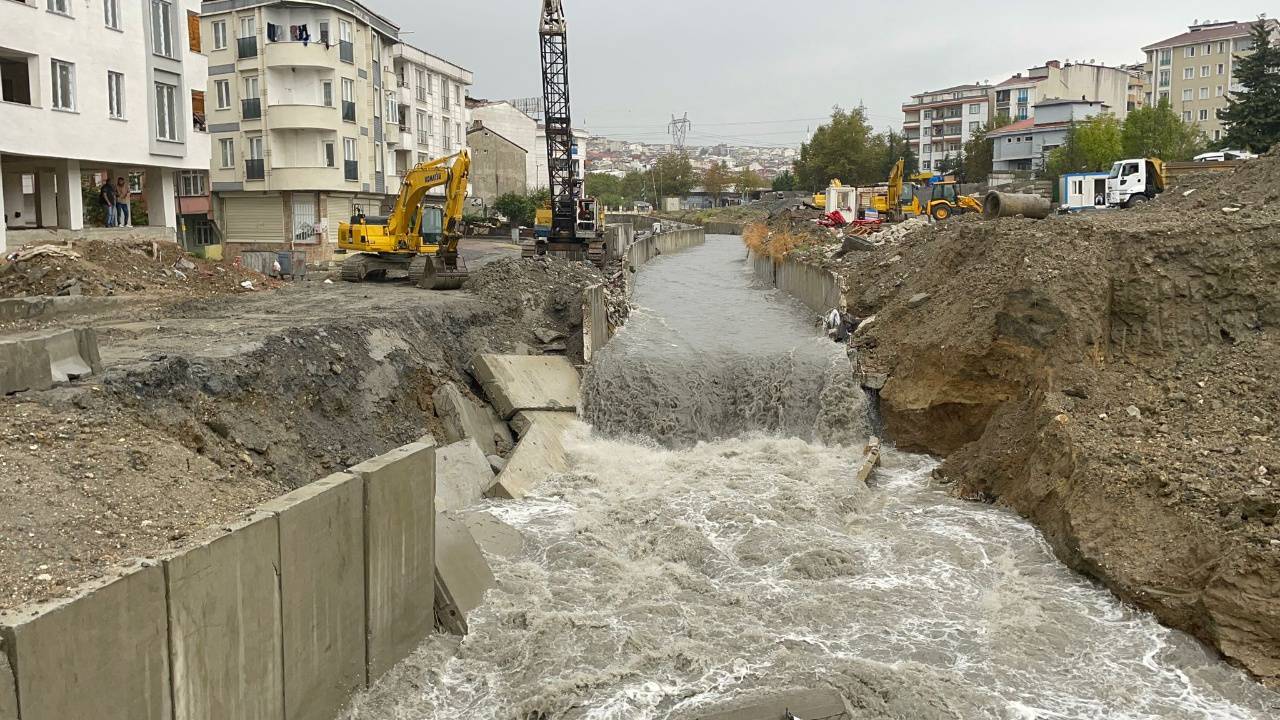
{"points": [[417, 237]]}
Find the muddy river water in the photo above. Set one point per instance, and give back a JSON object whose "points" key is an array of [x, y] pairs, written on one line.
{"points": [[710, 544]]}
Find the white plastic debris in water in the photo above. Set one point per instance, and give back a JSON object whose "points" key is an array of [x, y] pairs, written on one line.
{"points": [[328, 281], [247, 285]]}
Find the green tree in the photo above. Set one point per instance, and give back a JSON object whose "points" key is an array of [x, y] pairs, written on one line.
{"points": [[979, 151], [635, 186], [1252, 117], [896, 147], [673, 175], [784, 182], [607, 189], [843, 148], [517, 208], [1093, 144], [952, 165], [1159, 132], [715, 179], [747, 180]]}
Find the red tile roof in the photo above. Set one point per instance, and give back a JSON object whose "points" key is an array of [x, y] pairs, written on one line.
{"points": [[1026, 126], [1191, 37], [1015, 127]]}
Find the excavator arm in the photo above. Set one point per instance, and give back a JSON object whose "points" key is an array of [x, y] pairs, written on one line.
{"points": [[452, 171]]}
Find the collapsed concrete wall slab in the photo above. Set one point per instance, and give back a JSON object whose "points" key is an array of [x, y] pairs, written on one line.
{"points": [[321, 530], [463, 476], [37, 360], [595, 321], [527, 382], [103, 653], [224, 624], [464, 419], [492, 535], [462, 574], [539, 453], [399, 498]]}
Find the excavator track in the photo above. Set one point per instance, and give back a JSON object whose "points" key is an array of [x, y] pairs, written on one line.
{"points": [[355, 268], [428, 272], [596, 252]]}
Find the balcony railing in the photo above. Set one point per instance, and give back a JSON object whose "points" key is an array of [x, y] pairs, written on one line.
{"points": [[251, 108], [348, 111], [246, 47], [346, 52], [404, 127], [402, 82], [351, 169], [424, 138], [255, 169]]}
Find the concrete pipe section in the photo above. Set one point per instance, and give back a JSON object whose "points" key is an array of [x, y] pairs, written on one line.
{"points": [[998, 205]]}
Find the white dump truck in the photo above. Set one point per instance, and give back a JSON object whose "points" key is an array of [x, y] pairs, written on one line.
{"points": [[1135, 181]]}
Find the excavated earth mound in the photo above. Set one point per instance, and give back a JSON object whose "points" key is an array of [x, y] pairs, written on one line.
{"points": [[1115, 377]]}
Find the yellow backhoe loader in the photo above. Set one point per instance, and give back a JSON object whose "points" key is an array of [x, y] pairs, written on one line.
{"points": [[419, 238], [945, 201]]}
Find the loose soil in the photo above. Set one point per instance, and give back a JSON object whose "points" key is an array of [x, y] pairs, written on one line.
{"points": [[210, 406], [1115, 377]]}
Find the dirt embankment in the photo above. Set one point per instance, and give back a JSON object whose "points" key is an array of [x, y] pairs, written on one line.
{"points": [[212, 406], [1115, 377]]}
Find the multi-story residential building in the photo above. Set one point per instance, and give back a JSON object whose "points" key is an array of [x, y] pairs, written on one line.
{"points": [[939, 122], [1194, 71], [91, 88], [1017, 97], [303, 119], [1024, 144], [497, 164], [433, 115], [511, 123]]}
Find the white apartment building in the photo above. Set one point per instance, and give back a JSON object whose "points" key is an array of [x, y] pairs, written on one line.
{"points": [[1017, 97], [96, 86], [303, 119], [938, 123], [432, 116]]}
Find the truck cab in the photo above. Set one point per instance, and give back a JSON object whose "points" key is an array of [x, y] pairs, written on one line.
{"points": [[1134, 181]]}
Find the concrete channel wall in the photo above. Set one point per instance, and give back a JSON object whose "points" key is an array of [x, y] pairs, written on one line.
{"points": [[281, 615], [817, 288]]}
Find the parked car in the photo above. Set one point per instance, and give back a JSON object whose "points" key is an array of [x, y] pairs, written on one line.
{"points": [[1221, 155]]}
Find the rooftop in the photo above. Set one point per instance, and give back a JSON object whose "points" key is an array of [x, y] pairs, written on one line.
{"points": [[1028, 126], [1208, 32]]}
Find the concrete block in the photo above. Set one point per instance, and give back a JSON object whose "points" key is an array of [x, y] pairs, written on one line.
{"points": [[462, 574], [63, 349], [807, 704], [399, 532], [492, 535], [24, 365], [540, 453], [224, 624], [463, 476], [523, 420], [101, 654], [520, 382], [87, 344], [869, 461], [464, 419], [321, 594]]}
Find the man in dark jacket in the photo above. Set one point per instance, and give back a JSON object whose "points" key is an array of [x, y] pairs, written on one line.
{"points": [[107, 196]]}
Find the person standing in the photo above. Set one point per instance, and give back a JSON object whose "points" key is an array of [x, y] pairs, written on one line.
{"points": [[124, 209], [107, 195]]}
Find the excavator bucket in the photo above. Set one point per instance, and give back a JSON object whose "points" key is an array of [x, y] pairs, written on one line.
{"points": [[434, 273]]}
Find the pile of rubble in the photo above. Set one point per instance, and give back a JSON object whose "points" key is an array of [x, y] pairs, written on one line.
{"points": [[100, 267]]}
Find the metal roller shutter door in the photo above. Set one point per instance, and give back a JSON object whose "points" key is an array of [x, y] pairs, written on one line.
{"points": [[255, 219], [339, 211]]}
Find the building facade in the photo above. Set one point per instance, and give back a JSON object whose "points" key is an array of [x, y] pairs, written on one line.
{"points": [[497, 165], [1017, 97], [1025, 144], [433, 116], [1195, 71], [302, 119], [110, 88], [938, 123], [504, 118]]}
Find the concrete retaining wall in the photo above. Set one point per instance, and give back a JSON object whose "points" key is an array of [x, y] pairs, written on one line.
{"points": [[278, 616], [642, 251], [723, 228], [595, 321], [817, 288]]}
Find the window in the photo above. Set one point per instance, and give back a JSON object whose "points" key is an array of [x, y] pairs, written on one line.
{"points": [[162, 27], [251, 87], [1186, 116], [377, 157], [329, 154], [1208, 48], [324, 33], [1186, 94], [223, 89], [1189, 51], [1217, 135], [926, 149], [444, 134], [1217, 92], [1204, 115], [166, 111], [422, 157], [1188, 73], [1204, 93], [393, 108], [1222, 47], [1166, 56], [111, 13], [219, 34], [248, 26], [431, 84], [255, 147], [975, 109], [421, 77], [193, 32], [928, 114], [457, 132], [344, 31], [64, 85], [326, 93], [1164, 95], [135, 182], [348, 100], [191, 183], [1164, 78], [62, 7], [926, 165], [1222, 69], [350, 165], [115, 95], [1204, 71], [444, 95], [973, 126], [227, 150]]}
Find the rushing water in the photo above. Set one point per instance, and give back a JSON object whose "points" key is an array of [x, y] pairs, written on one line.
{"points": [[704, 549]]}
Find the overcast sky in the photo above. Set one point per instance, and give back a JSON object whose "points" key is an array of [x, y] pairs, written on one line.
{"points": [[766, 71]]}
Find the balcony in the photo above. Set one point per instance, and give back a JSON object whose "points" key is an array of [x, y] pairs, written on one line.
{"points": [[406, 138], [346, 51], [305, 117], [251, 109], [402, 81], [348, 111], [255, 169], [296, 54], [391, 132], [351, 170], [246, 47]]}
